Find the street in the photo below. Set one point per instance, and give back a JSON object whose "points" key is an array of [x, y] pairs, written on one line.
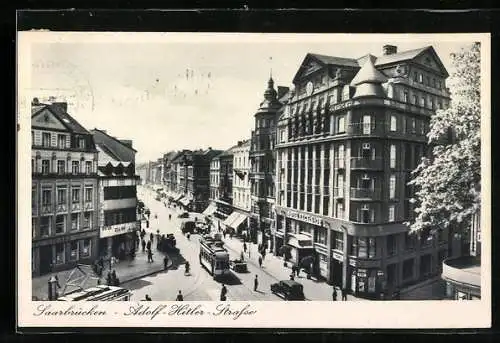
{"points": [[199, 285]]}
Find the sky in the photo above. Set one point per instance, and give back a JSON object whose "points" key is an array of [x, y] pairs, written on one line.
{"points": [[190, 91]]}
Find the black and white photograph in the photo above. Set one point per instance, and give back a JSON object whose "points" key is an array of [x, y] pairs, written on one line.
{"points": [[341, 170]]}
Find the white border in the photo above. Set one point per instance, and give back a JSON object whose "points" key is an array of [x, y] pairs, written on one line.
{"points": [[399, 314]]}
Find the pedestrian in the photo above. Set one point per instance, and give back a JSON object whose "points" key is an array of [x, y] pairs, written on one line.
{"points": [[165, 262], [223, 293], [344, 294], [242, 257], [109, 280], [260, 261], [334, 294], [169, 216], [244, 246], [231, 234], [147, 298], [292, 276], [143, 243], [224, 233], [151, 237], [150, 256], [179, 297], [143, 233], [255, 283], [148, 245], [297, 270]]}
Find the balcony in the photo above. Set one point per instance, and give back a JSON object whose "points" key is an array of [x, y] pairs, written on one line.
{"points": [[365, 129], [365, 193], [464, 271], [366, 163]]}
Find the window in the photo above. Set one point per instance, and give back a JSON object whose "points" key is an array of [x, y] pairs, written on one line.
{"points": [[340, 125], [61, 141], [33, 197], [321, 236], [75, 195], [32, 137], [392, 158], [392, 187], [81, 143], [338, 243], [405, 96], [420, 78], [45, 167], [341, 152], [363, 247], [408, 266], [74, 221], [422, 101], [394, 123], [45, 223], [409, 241], [340, 185], [75, 167], [59, 253], [366, 214], [366, 124], [73, 251], [88, 194], [391, 213], [60, 223], [46, 197], [88, 167], [45, 139], [415, 100], [340, 210], [85, 248], [61, 195], [87, 220], [415, 76], [391, 245]]}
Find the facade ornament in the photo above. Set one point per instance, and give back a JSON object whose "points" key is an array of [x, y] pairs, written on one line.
{"points": [[338, 73], [401, 70]]}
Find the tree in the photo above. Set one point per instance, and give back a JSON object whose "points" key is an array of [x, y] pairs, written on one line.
{"points": [[448, 180]]}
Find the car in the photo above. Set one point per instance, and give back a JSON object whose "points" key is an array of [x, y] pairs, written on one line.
{"points": [[288, 289], [188, 226]]}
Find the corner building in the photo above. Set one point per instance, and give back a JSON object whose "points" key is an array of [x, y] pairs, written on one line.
{"points": [[347, 141], [64, 195]]}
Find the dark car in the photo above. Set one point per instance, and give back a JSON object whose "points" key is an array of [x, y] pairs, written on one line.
{"points": [[183, 215], [188, 227], [289, 290]]}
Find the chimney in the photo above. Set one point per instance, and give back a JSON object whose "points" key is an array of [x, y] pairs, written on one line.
{"points": [[389, 49], [282, 91], [62, 105]]}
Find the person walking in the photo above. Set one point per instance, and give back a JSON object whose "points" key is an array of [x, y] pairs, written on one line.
{"points": [[169, 216], [165, 262], [109, 279], [260, 261], [344, 294], [143, 243], [147, 298], [179, 296], [245, 247], [255, 283], [223, 293], [150, 256], [334, 294], [151, 237], [148, 245]]}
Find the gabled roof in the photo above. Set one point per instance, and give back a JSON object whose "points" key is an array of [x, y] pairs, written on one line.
{"points": [[114, 139], [325, 60], [107, 151], [400, 56], [67, 120]]}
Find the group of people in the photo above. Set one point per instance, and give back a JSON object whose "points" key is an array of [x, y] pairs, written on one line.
{"points": [[146, 247], [343, 292]]}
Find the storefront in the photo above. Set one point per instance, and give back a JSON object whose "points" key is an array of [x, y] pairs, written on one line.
{"points": [[301, 247], [117, 240], [366, 279]]}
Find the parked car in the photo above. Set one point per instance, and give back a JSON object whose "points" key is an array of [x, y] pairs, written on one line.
{"points": [[183, 215], [288, 289], [188, 227]]}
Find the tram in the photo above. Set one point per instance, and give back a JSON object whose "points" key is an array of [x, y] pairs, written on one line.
{"points": [[214, 257]]}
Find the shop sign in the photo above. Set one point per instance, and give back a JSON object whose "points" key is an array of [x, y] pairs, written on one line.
{"points": [[114, 230], [353, 263], [380, 273], [304, 217], [361, 272], [337, 256]]}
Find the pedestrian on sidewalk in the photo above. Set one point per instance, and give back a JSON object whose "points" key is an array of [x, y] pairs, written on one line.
{"points": [[165, 262], [255, 283], [245, 247], [147, 298], [334, 294], [109, 279], [151, 237], [260, 261], [224, 233], [150, 256], [143, 243], [344, 294], [143, 233], [292, 276], [242, 257], [148, 245], [169, 216], [223, 293], [231, 234], [179, 297]]}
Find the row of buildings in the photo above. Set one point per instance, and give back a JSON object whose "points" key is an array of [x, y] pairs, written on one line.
{"points": [[325, 171], [84, 202]]}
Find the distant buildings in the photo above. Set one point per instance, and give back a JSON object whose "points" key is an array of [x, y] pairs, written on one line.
{"points": [[64, 197]]}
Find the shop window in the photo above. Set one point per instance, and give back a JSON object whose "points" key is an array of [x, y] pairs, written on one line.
{"points": [[60, 253], [85, 248], [45, 223], [60, 224], [74, 221], [45, 167], [75, 195], [408, 266], [391, 245], [73, 252]]}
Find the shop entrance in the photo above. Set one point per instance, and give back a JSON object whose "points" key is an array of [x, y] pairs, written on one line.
{"points": [[337, 269], [45, 259]]}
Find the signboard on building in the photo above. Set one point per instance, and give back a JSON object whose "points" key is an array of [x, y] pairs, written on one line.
{"points": [[337, 256], [304, 217], [118, 229]]}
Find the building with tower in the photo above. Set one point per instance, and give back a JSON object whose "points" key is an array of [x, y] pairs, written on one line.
{"points": [[347, 141]]}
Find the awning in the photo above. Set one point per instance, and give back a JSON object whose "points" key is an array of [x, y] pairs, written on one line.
{"points": [[209, 210], [300, 241], [232, 217], [240, 218]]}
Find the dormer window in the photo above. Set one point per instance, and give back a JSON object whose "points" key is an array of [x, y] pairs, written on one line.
{"points": [[81, 143]]}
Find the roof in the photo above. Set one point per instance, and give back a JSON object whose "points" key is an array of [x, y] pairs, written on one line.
{"points": [[348, 62], [400, 56], [368, 74], [64, 117], [113, 138]]}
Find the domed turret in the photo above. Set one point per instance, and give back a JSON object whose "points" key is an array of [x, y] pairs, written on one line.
{"points": [[270, 102], [368, 81]]}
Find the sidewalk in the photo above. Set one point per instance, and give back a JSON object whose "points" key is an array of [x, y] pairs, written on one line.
{"points": [[126, 271], [273, 265]]}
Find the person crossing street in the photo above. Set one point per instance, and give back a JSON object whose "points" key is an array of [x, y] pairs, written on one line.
{"points": [[255, 283]]}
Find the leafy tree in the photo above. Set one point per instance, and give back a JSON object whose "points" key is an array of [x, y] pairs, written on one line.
{"points": [[448, 180]]}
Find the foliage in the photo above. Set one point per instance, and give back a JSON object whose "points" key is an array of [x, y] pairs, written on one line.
{"points": [[448, 181]]}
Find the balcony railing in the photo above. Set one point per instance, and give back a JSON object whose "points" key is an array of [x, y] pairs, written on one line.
{"points": [[365, 193], [366, 163]]}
